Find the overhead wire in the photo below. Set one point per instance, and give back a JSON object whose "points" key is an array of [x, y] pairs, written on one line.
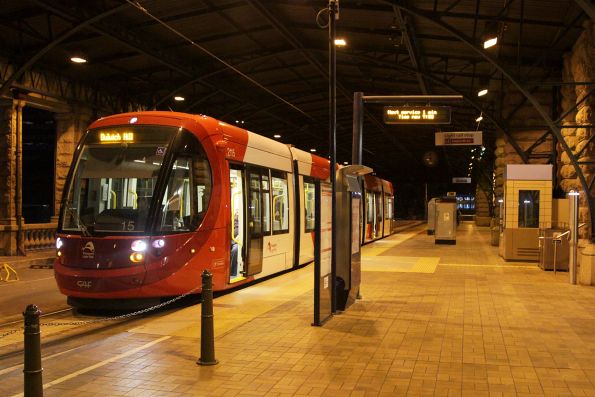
{"points": [[138, 6]]}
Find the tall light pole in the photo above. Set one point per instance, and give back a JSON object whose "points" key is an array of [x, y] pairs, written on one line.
{"points": [[333, 14]]}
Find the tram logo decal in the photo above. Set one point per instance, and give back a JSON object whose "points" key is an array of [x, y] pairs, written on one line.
{"points": [[272, 247], [89, 251]]}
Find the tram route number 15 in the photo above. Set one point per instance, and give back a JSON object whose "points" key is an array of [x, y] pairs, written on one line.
{"points": [[128, 226]]}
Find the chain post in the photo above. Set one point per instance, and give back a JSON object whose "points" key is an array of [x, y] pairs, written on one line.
{"points": [[207, 333], [33, 383]]}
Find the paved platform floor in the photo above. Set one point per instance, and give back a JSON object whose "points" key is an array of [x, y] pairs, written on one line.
{"points": [[435, 320]]}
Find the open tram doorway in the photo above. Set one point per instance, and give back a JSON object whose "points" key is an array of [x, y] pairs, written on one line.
{"points": [[238, 226], [39, 148]]}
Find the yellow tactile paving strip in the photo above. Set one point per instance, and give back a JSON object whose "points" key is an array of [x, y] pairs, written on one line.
{"points": [[392, 263], [376, 257], [475, 327]]}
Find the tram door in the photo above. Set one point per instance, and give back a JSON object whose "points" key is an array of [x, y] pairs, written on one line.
{"points": [[238, 225], [258, 188], [378, 224], [370, 217]]}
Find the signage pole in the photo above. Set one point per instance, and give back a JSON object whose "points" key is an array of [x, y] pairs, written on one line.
{"points": [[332, 14], [573, 227], [358, 121]]}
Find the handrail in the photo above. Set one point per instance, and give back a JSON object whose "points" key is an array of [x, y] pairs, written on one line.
{"points": [[135, 205], [115, 198], [233, 212]]}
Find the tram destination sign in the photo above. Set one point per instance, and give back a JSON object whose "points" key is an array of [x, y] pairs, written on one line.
{"points": [[416, 115], [459, 138]]}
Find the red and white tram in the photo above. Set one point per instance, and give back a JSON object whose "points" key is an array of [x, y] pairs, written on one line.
{"points": [[154, 198], [379, 209]]}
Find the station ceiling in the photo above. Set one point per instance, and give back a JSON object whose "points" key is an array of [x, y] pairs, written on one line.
{"points": [[264, 64]]}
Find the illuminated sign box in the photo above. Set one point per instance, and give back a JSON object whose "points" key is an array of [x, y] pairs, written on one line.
{"points": [[461, 180], [459, 138], [417, 115]]}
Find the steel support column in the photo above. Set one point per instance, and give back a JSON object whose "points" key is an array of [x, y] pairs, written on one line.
{"points": [[542, 112]]}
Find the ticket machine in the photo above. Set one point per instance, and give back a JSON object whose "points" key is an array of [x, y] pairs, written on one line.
{"points": [[348, 250]]}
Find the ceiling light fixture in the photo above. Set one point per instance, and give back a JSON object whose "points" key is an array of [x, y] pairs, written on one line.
{"points": [[340, 42], [479, 118], [483, 86], [77, 59], [490, 42], [179, 98], [313, 150], [490, 35], [276, 136]]}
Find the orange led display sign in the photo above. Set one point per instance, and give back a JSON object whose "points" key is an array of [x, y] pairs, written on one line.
{"points": [[417, 115], [114, 137]]}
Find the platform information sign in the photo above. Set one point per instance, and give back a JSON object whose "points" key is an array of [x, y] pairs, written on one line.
{"points": [[323, 285], [461, 179], [459, 138], [417, 115]]}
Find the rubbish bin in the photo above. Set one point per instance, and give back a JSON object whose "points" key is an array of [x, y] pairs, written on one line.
{"points": [[554, 249]]}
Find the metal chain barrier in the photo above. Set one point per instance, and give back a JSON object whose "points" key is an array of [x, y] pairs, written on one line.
{"points": [[8, 333], [113, 318]]}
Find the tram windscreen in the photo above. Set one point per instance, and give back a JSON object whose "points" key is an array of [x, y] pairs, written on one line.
{"points": [[114, 179]]}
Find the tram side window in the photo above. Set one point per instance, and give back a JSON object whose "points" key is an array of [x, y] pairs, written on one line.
{"points": [[254, 205], [266, 204], [309, 206], [370, 207], [177, 206], [280, 202], [389, 208], [201, 176], [378, 199]]}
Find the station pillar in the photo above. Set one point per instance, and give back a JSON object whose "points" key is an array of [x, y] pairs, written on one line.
{"points": [[10, 174]]}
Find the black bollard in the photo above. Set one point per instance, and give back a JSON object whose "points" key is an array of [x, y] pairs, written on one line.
{"points": [[32, 369], [207, 332]]}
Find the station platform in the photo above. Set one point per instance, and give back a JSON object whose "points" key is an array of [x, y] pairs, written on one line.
{"points": [[434, 320]]}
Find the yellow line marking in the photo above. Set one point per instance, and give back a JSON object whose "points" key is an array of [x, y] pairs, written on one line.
{"points": [[506, 266], [100, 364], [9, 270], [409, 264]]}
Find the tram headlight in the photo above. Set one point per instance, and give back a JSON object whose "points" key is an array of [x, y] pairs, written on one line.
{"points": [[138, 246], [137, 257], [59, 243], [160, 243]]}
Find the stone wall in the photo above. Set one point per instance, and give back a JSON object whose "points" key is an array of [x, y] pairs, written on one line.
{"points": [[69, 130], [505, 154], [578, 67], [482, 208]]}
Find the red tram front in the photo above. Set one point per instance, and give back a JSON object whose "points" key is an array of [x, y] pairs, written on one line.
{"points": [[154, 198]]}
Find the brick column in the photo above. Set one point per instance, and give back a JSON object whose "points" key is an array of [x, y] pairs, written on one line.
{"points": [[69, 130], [10, 172]]}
